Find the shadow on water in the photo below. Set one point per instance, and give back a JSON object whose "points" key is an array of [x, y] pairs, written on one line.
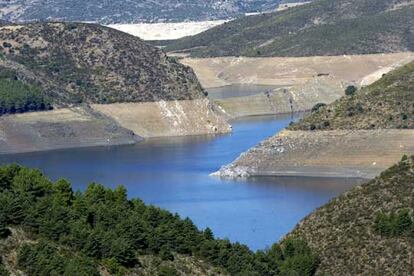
{"points": [[173, 173]]}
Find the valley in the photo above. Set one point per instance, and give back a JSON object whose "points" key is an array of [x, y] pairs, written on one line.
{"points": [[260, 137]]}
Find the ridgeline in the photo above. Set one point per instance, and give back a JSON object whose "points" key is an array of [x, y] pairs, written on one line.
{"points": [[323, 27]]}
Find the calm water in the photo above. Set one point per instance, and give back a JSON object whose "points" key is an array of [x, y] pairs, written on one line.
{"points": [[238, 90], [173, 174]]}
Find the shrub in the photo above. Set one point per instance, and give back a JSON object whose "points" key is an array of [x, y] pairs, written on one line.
{"points": [[393, 224], [317, 106], [3, 270], [351, 90]]}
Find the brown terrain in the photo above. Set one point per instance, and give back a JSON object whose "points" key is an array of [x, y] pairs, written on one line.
{"points": [[336, 153], [288, 71], [61, 128], [305, 81], [359, 135]]}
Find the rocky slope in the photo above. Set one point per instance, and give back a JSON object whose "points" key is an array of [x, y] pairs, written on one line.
{"points": [[69, 65], [344, 232], [75, 62], [130, 11], [324, 27], [356, 136]]}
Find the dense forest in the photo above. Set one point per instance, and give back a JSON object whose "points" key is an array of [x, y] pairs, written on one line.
{"points": [[18, 97], [84, 233]]}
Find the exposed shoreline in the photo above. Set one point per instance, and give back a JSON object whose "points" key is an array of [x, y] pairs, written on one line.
{"points": [[342, 153], [107, 125]]}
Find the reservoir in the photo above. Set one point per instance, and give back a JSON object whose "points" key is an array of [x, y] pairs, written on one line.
{"points": [[173, 173]]}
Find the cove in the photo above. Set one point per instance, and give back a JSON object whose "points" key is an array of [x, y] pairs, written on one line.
{"points": [[173, 173]]}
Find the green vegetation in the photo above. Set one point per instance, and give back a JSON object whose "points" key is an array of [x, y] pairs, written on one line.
{"points": [[350, 90], [317, 106], [76, 232], [324, 27], [394, 224], [3, 270], [368, 230], [75, 63], [18, 97], [387, 103]]}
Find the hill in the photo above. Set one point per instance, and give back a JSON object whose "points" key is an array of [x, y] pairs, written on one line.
{"points": [[387, 103], [368, 230], [74, 63], [130, 11], [48, 229], [323, 27]]}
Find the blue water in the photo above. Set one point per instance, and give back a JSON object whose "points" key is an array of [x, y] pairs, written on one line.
{"points": [[173, 173]]}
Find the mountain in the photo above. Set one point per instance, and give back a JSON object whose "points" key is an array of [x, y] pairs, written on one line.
{"points": [[385, 104], [106, 88], [323, 27], [119, 11], [368, 230], [75, 62]]}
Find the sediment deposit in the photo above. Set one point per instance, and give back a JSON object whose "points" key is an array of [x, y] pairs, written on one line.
{"points": [[337, 153]]}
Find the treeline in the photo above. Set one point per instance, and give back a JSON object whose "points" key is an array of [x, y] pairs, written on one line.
{"points": [[77, 233], [18, 97]]}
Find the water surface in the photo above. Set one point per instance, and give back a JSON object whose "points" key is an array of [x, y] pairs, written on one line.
{"points": [[173, 173]]}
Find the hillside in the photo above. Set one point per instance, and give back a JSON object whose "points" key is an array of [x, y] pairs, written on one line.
{"points": [[74, 63], [324, 27], [48, 229], [359, 135], [368, 230], [130, 11], [387, 103]]}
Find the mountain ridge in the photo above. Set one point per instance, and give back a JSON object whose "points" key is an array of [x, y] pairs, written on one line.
{"points": [[109, 12], [345, 26]]}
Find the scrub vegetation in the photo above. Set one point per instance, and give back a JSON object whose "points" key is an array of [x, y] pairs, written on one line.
{"points": [[368, 230], [324, 27]]}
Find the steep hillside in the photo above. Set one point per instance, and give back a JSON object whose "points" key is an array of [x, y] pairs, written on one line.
{"points": [[324, 27], [130, 11], [368, 230], [74, 63], [48, 229], [387, 103]]}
